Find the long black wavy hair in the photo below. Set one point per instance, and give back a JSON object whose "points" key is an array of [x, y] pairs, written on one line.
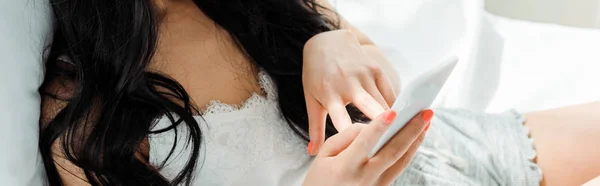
{"points": [[115, 100]]}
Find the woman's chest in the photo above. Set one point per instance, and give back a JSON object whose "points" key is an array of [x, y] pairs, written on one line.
{"points": [[250, 146], [263, 152], [203, 58]]}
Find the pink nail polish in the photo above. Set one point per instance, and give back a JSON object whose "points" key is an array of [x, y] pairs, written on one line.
{"points": [[389, 117], [309, 148], [427, 115]]}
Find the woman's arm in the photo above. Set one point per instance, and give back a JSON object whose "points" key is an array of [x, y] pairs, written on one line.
{"points": [[367, 45]]}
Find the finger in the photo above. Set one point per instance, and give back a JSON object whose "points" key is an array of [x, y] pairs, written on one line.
{"points": [[390, 175], [367, 104], [387, 89], [316, 123], [339, 115], [360, 148], [398, 145], [339, 142], [374, 91]]}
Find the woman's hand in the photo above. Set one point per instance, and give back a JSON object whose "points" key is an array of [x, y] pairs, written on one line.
{"points": [[337, 72], [344, 160]]}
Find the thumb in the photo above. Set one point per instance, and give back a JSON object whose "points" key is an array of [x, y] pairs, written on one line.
{"points": [[339, 142], [316, 124]]}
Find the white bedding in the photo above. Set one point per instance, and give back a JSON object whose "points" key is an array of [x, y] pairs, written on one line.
{"points": [[533, 66], [25, 30], [504, 64]]}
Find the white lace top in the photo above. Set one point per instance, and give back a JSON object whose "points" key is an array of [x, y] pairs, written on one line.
{"points": [[247, 144]]}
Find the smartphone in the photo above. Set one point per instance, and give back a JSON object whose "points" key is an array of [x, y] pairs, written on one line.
{"points": [[418, 95]]}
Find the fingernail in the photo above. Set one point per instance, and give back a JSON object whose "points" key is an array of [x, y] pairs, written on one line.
{"points": [[389, 117], [309, 148], [427, 127], [427, 115]]}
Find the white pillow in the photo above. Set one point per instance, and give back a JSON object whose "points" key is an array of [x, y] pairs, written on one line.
{"points": [[532, 66], [25, 31]]}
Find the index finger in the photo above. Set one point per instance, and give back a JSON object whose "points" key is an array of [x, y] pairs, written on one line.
{"points": [[339, 116], [367, 104], [316, 123]]}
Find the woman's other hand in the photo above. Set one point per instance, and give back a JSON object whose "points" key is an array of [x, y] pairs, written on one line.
{"points": [[337, 72], [344, 160]]}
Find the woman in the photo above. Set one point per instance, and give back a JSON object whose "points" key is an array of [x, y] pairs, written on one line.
{"points": [[131, 88]]}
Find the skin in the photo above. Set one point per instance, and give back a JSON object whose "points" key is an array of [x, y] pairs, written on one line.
{"points": [[348, 76], [344, 158], [567, 141], [186, 30]]}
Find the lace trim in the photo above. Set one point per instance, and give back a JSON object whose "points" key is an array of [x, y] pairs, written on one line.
{"points": [[529, 150], [267, 87]]}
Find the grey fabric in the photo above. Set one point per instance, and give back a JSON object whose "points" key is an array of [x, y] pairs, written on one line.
{"points": [[471, 148]]}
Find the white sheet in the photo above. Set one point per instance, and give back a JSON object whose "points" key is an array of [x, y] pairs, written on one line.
{"points": [[534, 66], [504, 63], [24, 27]]}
